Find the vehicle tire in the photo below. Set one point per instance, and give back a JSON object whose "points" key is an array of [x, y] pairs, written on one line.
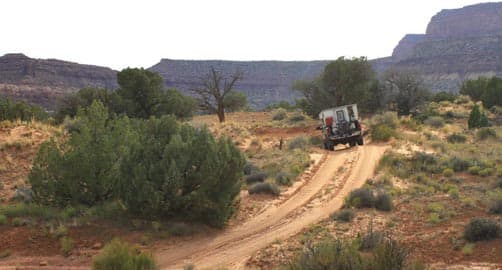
{"points": [[352, 143], [331, 145], [360, 141]]}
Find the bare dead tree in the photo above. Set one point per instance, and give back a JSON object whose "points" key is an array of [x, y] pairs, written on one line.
{"points": [[215, 87]]}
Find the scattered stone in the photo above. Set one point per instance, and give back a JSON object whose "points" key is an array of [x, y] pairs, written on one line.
{"points": [[43, 263]]}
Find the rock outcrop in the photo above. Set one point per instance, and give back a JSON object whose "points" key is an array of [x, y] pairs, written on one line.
{"points": [[459, 44], [42, 81]]}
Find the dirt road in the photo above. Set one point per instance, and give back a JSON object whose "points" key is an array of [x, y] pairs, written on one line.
{"points": [[231, 248]]}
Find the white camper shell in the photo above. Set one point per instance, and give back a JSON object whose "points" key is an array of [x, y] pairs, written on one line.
{"points": [[341, 125]]}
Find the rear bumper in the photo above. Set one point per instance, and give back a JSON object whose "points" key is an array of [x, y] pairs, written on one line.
{"points": [[344, 140]]}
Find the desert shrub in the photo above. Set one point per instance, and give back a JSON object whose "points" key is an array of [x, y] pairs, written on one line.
{"points": [[89, 158], [283, 178], [361, 198], [66, 245], [16, 222], [371, 239], [382, 133], [297, 117], [316, 140], [443, 96], [119, 255], [298, 143], [435, 121], [456, 138], [156, 168], [486, 172], [448, 172], [20, 110], [459, 164], [495, 207], [59, 232], [3, 220], [268, 188], [389, 255], [474, 170], [345, 215], [477, 119], [486, 133], [481, 229], [328, 254], [257, 177], [279, 114], [250, 168], [389, 119], [176, 170], [383, 201], [28, 210], [410, 124]]}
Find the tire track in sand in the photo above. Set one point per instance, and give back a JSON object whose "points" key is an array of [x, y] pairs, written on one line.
{"points": [[233, 247]]}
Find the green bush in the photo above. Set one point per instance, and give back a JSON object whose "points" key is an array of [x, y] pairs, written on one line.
{"points": [[28, 210], [389, 119], [443, 96], [459, 164], [267, 188], [486, 172], [297, 117], [298, 143], [156, 168], [448, 172], [119, 255], [250, 168], [16, 222], [382, 133], [66, 245], [328, 254], [316, 140], [254, 178], [481, 229], [383, 202], [283, 178], [3, 220], [495, 207], [20, 110], [486, 133], [361, 198], [456, 138], [435, 121], [474, 170], [477, 119], [279, 114], [345, 215], [389, 255]]}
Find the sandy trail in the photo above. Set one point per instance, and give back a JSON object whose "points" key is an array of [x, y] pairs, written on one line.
{"points": [[233, 247]]}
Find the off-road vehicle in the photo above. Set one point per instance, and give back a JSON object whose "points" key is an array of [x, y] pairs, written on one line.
{"points": [[340, 125]]}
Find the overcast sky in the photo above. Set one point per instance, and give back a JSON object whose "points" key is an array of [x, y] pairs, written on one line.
{"points": [[123, 33]]}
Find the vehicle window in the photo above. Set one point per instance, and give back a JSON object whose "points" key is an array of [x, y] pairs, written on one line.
{"points": [[339, 115]]}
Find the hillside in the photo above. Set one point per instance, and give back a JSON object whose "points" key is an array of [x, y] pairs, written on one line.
{"points": [[458, 44], [42, 81], [264, 82]]}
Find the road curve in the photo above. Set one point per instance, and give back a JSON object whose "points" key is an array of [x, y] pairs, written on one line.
{"points": [[233, 247]]}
